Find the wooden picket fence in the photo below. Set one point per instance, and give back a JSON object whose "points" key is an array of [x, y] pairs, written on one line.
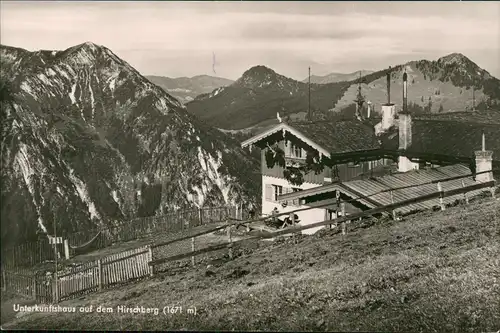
{"points": [[87, 278], [104, 273], [27, 254], [33, 253], [101, 274]]}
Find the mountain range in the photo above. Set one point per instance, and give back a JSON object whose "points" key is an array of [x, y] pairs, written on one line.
{"points": [[87, 141], [185, 89], [258, 95], [452, 83], [336, 77]]}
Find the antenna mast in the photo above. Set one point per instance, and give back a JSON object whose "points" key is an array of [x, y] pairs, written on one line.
{"points": [[309, 105], [360, 100]]}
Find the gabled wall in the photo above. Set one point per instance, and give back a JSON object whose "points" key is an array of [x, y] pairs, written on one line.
{"points": [[306, 217]]}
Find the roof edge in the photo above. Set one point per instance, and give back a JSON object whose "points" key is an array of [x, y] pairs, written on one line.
{"points": [[290, 129]]}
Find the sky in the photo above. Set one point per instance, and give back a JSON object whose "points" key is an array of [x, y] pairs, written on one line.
{"points": [[177, 39]]}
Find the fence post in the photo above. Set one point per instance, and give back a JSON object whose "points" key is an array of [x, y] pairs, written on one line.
{"points": [[230, 241], [150, 258], [55, 290], [466, 197], [293, 226], [342, 207], [34, 287], [192, 250], [99, 269], [4, 287], [440, 190]]}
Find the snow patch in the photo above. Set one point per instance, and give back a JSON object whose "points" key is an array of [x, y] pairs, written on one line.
{"points": [[72, 94], [211, 166], [114, 194], [27, 171], [25, 87], [112, 84], [162, 106], [92, 101], [44, 79], [63, 73], [81, 190]]}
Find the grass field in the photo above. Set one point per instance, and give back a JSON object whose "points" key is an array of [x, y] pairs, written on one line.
{"points": [[432, 272]]}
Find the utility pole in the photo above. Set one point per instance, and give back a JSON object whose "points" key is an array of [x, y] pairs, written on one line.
{"points": [[309, 87]]}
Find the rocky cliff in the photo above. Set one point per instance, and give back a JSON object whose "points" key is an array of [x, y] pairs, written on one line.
{"points": [[87, 141]]}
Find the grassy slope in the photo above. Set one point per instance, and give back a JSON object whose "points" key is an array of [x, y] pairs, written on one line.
{"points": [[433, 272]]}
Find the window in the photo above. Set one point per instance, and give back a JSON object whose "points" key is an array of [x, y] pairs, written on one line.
{"points": [[277, 190], [331, 214], [295, 202], [295, 151]]}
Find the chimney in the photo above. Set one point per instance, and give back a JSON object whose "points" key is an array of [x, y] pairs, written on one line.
{"points": [[405, 92], [405, 136], [388, 110], [484, 162], [405, 131], [388, 77], [388, 114]]}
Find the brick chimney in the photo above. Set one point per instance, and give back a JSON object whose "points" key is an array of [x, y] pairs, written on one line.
{"points": [[484, 162]]}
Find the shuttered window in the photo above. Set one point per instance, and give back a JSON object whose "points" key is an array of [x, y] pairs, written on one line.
{"points": [[278, 190]]}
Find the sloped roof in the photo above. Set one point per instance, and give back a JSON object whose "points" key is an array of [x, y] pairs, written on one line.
{"points": [[340, 136], [364, 188], [333, 136], [454, 138]]}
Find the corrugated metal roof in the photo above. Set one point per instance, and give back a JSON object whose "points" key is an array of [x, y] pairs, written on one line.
{"points": [[371, 188]]}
